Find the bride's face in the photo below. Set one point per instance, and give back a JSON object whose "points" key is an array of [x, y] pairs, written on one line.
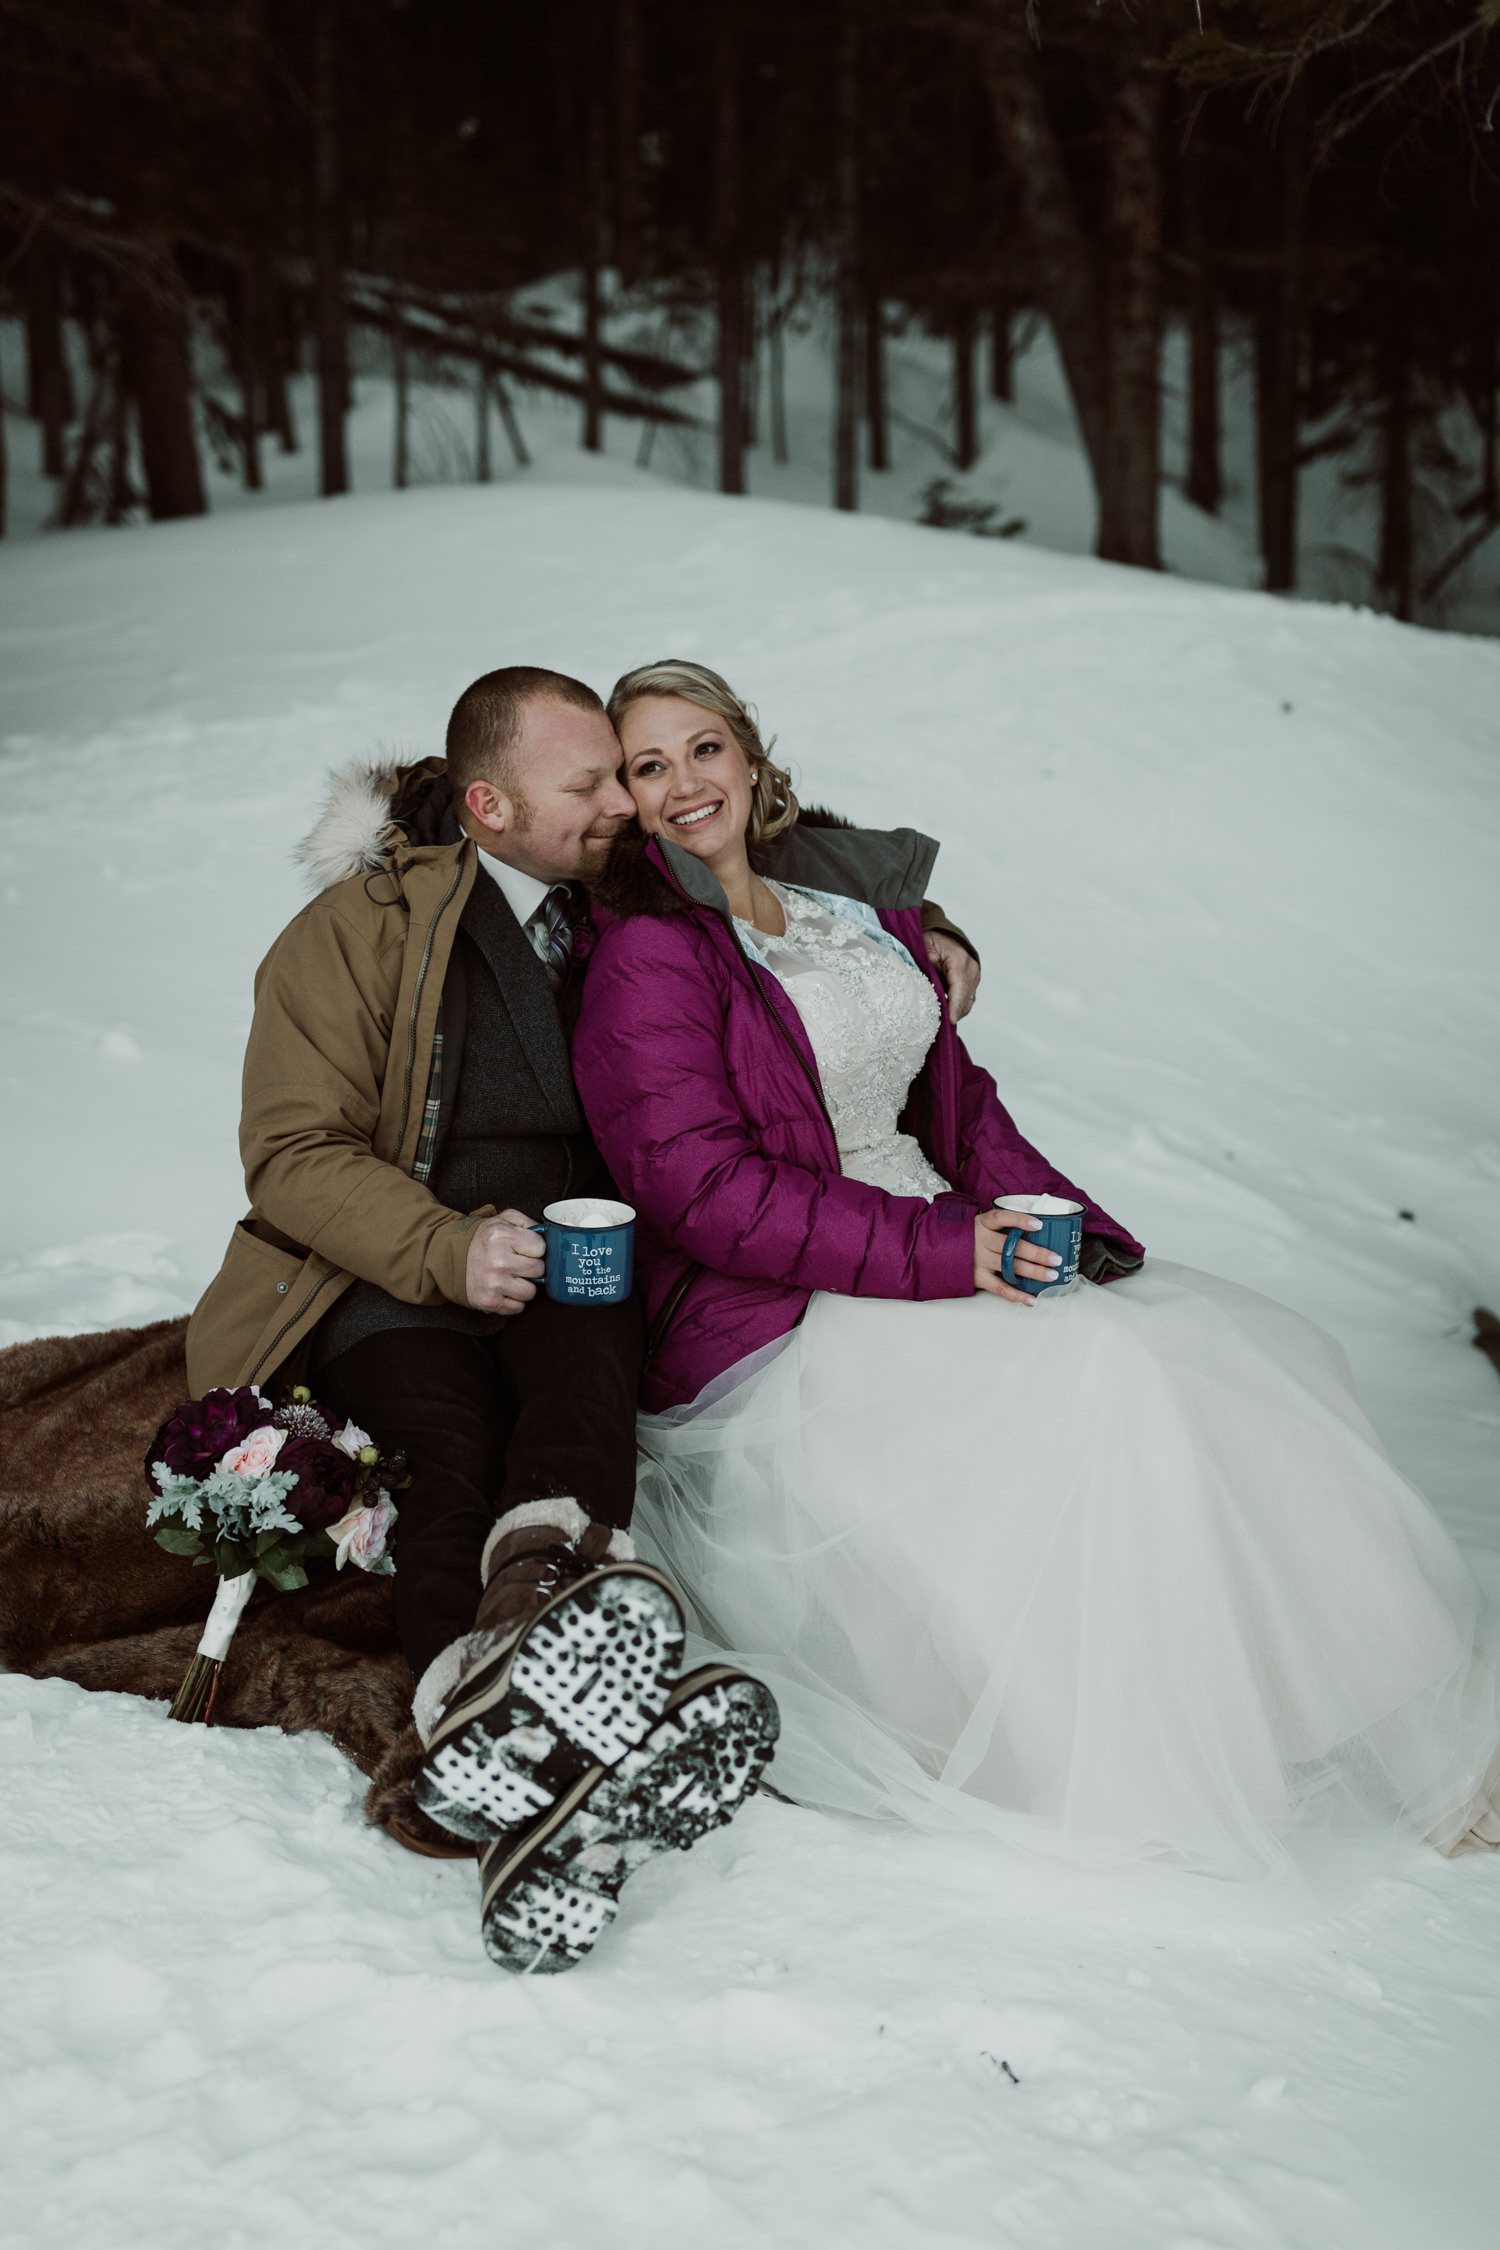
{"points": [[689, 777]]}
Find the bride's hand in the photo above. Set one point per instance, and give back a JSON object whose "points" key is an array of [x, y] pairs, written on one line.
{"points": [[1037, 1264]]}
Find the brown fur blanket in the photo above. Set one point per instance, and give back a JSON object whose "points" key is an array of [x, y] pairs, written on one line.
{"points": [[87, 1595]]}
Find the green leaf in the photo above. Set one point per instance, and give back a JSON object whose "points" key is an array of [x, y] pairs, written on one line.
{"points": [[231, 1561], [178, 1540], [282, 1573]]}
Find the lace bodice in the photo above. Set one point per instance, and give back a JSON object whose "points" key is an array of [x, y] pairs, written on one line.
{"points": [[870, 1016]]}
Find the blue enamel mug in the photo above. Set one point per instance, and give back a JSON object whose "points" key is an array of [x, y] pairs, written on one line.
{"points": [[1061, 1230], [590, 1251]]}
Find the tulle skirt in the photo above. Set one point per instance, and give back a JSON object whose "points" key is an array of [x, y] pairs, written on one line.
{"points": [[1127, 1576]]}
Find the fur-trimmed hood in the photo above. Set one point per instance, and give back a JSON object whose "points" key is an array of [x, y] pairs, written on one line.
{"points": [[371, 810]]}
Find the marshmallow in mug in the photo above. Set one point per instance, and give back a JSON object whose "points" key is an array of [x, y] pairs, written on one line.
{"points": [[589, 1211]]}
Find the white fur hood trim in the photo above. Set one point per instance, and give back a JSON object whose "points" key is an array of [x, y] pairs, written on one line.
{"points": [[354, 832]]}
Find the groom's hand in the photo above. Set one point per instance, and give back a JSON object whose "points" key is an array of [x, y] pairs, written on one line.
{"points": [[506, 1261], [959, 971]]}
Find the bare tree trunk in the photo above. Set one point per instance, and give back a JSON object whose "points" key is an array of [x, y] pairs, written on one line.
{"points": [[331, 313], [153, 334], [76, 503], [279, 415], [1129, 489], [49, 390], [512, 427], [401, 165], [482, 409], [1396, 545], [846, 403], [965, 393], [1486, 395], [750, 378], [731, 344], [628, 226], [877, 405], [595, 251], [1279, 361], [401, 385], [242, 341], [1064, 268], [1205, 479], [118, 493], [1002, 357], [593, 363], [776, 372], [726, 240]]}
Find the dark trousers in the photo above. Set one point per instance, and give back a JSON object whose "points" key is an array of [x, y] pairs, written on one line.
{"points": [[544, 1408]]}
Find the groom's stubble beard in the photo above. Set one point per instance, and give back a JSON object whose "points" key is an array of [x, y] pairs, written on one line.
{"points": [[594, 846]]}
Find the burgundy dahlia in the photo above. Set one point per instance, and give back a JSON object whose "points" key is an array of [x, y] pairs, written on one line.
{"points": [[325, 1481], [193, 1440]]}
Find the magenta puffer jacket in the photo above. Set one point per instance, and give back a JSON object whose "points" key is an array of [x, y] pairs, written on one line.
{"points": [[703, 1094]]}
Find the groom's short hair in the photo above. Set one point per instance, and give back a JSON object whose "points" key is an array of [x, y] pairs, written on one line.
{"points": [[486, 722]]}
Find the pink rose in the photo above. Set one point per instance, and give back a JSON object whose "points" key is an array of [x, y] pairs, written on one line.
{"points": [[351, 1439], [257, 1453], [361, 1535]]}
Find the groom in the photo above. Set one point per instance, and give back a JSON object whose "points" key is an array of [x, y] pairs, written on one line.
{"points": [[409, 1110]]}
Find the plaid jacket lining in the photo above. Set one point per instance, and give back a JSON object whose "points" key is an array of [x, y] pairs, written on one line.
{"points": [[427, 1138]]}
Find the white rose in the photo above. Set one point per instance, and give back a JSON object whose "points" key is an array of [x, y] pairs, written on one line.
{"points": [[256, 1455], [361, 1535]]}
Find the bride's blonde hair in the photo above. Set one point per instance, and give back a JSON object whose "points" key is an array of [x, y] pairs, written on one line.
{"points": [[773, 807]]}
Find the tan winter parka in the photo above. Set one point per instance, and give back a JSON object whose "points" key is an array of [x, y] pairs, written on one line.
{"points": [[336, 1071]]}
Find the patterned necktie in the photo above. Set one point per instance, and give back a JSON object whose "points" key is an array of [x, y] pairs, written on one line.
{"points": [[557, 931]]}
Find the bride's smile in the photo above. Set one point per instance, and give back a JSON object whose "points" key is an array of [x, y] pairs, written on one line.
{"points": [[697, 817]]}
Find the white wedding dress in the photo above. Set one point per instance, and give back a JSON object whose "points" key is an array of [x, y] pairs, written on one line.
{"points": [[1124, 1576]]}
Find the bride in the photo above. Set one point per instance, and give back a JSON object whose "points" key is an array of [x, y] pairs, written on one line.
{"points": [[1117, 1570]]}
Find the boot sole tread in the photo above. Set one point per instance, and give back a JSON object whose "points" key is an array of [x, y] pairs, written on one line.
{"points": [[547, 1900]]}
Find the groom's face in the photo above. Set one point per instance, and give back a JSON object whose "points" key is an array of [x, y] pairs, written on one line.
{"points": [[556, 807]]}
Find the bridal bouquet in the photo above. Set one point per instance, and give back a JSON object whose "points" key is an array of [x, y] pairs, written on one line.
{"points": [[255, 1489]]}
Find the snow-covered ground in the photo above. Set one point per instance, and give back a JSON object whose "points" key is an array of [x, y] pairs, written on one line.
{"points": [[1231, 864]]}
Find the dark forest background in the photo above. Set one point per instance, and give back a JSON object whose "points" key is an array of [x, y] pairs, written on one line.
{"points": [[1317, 179]]}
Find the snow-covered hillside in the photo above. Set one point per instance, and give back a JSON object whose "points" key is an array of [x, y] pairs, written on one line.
{"points": [[1031, 472], [1231, 865]]}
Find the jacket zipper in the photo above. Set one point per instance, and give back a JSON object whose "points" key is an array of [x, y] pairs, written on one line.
{"points": [[807, 1070], [289, 1324], [416, 998], [671, 1307]]}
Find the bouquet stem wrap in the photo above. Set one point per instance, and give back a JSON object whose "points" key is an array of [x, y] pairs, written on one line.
{"points": [[200, 1685]]}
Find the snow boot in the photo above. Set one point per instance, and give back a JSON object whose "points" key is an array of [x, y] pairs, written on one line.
{"points": [[548, 1893], [574, 1652]]}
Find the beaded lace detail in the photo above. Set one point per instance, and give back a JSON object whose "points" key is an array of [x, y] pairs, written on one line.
{"points": [[870, 1016]]}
